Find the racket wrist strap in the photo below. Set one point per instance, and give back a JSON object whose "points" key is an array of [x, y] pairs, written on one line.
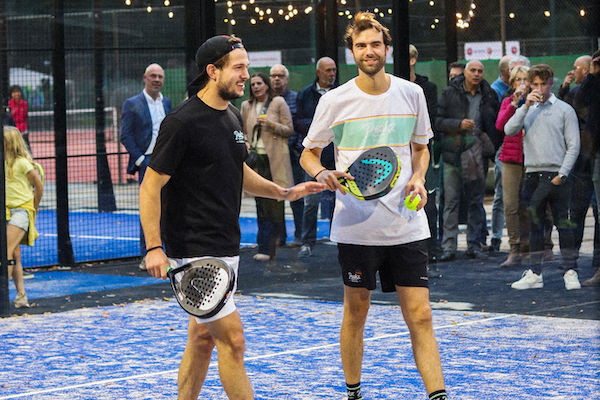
{"points": [[153, 248], [317, 174]]}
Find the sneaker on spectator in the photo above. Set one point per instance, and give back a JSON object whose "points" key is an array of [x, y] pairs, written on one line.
{"points": [[142, 265], [305, 251], [571, 280], [27, 275], [529, 280], [21, 300]]}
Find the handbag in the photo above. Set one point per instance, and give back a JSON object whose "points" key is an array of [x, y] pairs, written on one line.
{"points": [[252, 158]]}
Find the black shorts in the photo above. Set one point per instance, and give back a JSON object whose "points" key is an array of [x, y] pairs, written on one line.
{"points": [[400, 265]]}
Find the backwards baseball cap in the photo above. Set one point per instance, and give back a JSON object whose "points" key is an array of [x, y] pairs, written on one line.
{"points": [[211, 51]]}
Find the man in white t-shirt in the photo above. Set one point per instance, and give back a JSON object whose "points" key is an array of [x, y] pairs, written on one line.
{"points": [[377, 109]]}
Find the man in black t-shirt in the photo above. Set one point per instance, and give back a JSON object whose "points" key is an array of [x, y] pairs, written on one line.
{"points": [[190, 202]]}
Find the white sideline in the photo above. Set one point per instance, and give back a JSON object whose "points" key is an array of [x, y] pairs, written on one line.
{"points": [[272, 355]]}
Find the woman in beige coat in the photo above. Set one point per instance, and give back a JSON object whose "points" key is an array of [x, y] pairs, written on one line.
{"points": [[268, 125]]}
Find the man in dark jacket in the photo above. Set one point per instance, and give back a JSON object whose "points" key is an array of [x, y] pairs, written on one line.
{"points": [[581, 175], [306, 104], [432, 180], [588, 96], [465, 123]]}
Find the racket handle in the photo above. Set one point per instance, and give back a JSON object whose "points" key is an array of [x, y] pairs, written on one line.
{"points": [[172, 265]]}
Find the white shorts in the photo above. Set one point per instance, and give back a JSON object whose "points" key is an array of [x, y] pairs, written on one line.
{"points": [[19, 218], [229, 306]]}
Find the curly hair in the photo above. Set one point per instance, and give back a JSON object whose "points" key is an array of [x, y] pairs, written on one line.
{"points": [[362, 22]]}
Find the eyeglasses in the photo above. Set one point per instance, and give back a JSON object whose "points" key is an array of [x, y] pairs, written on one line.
{"points": [[277, 75]]}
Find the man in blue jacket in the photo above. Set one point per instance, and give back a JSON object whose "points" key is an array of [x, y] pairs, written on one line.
{"points": [[306, 104], [140, 120]]}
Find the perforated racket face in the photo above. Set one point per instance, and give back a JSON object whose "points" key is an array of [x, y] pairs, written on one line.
{"points": [[375, 172], [203, 286]]}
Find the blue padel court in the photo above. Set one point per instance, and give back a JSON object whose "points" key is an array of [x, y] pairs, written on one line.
{"points": [[101, 236], [132, 351], [65, 283]]}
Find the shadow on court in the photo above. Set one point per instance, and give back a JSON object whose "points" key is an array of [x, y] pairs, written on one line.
{"points": [[463, 284], [107, 331]]}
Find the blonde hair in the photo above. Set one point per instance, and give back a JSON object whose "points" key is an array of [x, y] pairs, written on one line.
{"points": [[362, 22], [14, 147], [516, 70]]}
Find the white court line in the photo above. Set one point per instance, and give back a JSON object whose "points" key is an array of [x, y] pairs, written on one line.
{"points": [[272, 355], [95, 237]]}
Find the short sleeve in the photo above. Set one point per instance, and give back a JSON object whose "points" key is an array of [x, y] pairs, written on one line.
{"points": [[422, 131], [320, 133], [170, 148], [22, 166]]}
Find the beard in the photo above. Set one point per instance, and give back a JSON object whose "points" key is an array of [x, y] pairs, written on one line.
{"points": [[371, 69], [227, 93]]}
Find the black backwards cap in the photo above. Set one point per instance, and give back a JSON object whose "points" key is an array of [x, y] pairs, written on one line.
{"points": [[209, 53]]}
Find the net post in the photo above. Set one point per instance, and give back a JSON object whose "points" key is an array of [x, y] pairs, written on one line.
{"points": [[65, 247], [4, 298], [104, 189]]}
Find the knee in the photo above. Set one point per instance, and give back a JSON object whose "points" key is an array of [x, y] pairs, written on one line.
{"points": [[356, 312], [200, 341], [419, 317], [234, 343]]}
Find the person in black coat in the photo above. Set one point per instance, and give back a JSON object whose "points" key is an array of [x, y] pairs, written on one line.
{"points": [[432, 180], [465, 125]]}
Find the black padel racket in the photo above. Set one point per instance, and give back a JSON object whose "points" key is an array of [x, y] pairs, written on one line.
{"points": [[203, 286], [375, 172]]}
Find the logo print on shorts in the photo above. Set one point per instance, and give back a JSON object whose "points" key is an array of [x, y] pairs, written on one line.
{"points": [[356, 277]]}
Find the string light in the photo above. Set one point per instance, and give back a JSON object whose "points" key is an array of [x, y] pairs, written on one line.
{"points": [[582, 12], [127, 2], [171, 14], [464, 23], [167, 3], [547, 13]]}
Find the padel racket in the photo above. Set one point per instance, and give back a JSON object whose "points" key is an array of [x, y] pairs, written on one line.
{"points": [[375, 172], [202, 287]]}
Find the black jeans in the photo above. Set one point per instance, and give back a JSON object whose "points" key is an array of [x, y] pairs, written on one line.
{"points": [[538, 192], [269, 214]]}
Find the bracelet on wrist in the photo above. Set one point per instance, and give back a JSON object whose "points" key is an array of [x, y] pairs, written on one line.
{"points": [[317, 174], [153, 248]]}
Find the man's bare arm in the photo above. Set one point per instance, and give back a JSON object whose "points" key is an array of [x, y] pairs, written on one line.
{"points": [[420, 163], [259, 186], [150, 210]]}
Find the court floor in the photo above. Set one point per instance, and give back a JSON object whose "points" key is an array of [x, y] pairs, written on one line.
{"points": [[132, 351]]}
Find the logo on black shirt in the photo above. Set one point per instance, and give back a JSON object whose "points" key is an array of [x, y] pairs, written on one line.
{"points": [[239, 137]]}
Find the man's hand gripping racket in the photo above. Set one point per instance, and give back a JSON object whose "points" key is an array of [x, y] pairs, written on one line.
{"points": [[372, 175], [202, 287]]}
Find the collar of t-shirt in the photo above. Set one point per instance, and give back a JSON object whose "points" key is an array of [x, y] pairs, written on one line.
{"points": [[320, 89], [157, 114]]}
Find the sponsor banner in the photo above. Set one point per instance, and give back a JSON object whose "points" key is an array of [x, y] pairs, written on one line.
{"points": [[490, 50], [264, 58]]}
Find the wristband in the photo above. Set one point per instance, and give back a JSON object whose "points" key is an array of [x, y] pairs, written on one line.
{"points": [[153, 248], [317, 174]]}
